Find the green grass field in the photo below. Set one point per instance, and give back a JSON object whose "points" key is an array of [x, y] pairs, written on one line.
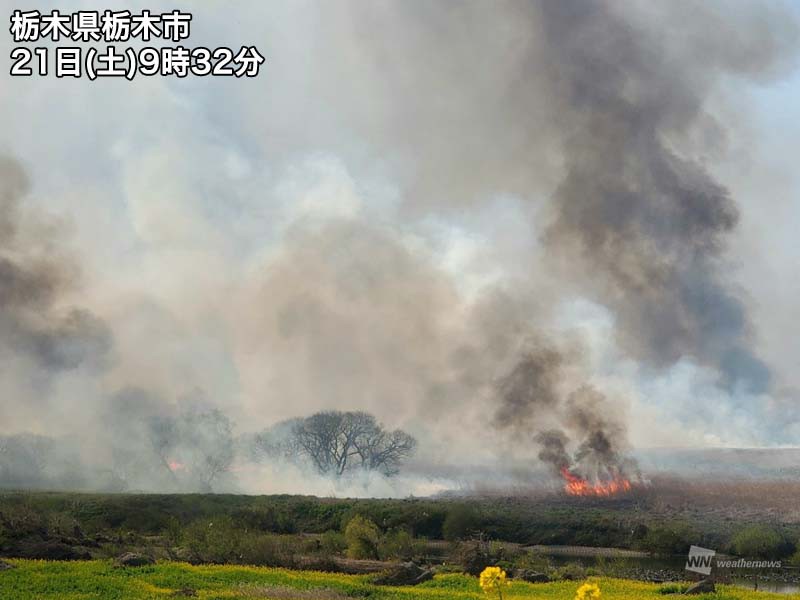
{"points": [[40, 580]]}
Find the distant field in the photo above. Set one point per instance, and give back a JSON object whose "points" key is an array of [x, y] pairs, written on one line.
{"points": [[99, 580]]}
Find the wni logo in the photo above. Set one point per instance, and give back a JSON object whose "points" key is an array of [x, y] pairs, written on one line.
{"points": [[700, 560]]}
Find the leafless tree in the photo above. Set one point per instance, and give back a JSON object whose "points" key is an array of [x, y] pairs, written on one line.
{"points": [[195, 447], [277, 441], [386, 450], [336, 443]]}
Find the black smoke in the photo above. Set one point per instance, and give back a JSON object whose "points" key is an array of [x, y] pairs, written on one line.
{"points": [[530, 387], [34, 280], [590, 435], [644, 226]]}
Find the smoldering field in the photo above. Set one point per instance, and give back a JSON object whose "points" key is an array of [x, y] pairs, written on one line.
{"points": [[507, 230]]}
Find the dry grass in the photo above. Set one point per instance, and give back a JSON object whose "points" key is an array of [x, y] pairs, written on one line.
{"points": [[732, 497]]}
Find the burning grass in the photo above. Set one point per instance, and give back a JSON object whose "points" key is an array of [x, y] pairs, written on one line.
{"points": [[574, 485]]}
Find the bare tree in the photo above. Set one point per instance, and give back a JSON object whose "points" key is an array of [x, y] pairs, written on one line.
{"points": [[196, 448], [336, 442], [203, 447], [386, 451], [162, 433]]}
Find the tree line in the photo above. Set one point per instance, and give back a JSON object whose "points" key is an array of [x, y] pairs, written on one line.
{"points": [[196, 450]]}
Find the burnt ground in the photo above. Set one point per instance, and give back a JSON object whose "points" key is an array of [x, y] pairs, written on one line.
{"points": [[671, 497]]}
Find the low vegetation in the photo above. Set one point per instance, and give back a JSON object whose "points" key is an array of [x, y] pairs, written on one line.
{"points": [[362, 537], [100, 580], [760, 542], [287, 530]]}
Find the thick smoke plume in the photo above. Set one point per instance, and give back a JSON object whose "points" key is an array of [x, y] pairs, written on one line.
{"points": [[637, 225], [33, 279], [530, 388], [553, 451], [642, 225], [398, 218], [590, 437]]}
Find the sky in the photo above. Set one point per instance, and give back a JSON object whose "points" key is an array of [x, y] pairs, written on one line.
{"points": [[403, 202]]}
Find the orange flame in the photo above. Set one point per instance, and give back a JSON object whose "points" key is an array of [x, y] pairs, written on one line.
{"points": [[578, 486], [174, 465]]}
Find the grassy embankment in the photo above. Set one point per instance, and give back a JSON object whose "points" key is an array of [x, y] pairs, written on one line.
{"points": [[100, 580]]}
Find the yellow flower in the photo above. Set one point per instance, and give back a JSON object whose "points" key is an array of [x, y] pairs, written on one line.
{"points": [[492, 580], [588, 591]]}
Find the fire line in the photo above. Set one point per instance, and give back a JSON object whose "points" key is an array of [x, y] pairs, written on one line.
{"points": [[575, 485]]}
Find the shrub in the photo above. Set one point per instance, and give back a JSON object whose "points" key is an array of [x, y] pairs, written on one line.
{"points": [[460, 523], [266, 550], [212, 540], [531, 561], [398, 544], [667, 540], [22, 521], [795, 560], [173, 531], [332, 542], [63, 524], [572, 571], [220, 541], [473, 556], [757, 542], [362, 536]]}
